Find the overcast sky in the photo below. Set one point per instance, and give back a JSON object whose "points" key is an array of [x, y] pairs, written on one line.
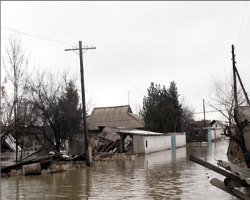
{"points": [[136, 43]]}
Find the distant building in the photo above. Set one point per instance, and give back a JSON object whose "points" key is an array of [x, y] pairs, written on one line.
{"points": [[216, 128], [197, 131]]}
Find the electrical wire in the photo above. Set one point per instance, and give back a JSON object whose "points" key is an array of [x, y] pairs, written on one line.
{"points": [[39, 37], [35, 43], [108, 67], [210, 111], [244, 36], [242, 23]]}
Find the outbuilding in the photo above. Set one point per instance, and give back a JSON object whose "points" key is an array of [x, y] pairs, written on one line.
{"points": [[148, 142]]}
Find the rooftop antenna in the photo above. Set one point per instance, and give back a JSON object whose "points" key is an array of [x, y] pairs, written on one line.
{"points": [[128, 96]]}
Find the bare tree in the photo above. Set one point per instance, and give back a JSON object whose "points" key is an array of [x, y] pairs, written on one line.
{"points": [[7, 120], [55, 104], [15, 64], [222, 98]]}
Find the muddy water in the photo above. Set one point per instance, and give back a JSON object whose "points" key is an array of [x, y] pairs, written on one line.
{"points": [[163, 175]]}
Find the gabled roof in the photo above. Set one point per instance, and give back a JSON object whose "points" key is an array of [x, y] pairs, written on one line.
{"points": [[117, 116]]}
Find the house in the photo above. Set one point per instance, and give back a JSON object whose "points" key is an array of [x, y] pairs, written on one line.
{"points": [[117, 116], [215, 130]]}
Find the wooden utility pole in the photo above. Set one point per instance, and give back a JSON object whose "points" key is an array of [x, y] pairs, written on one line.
{"points": [[83, 98], [242, 86], [237, 73], [238, 120], [236, 111]]}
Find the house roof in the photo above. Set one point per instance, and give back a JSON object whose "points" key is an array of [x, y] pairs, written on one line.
{"points": [[117, 116], [145, 133], [140, 132]]}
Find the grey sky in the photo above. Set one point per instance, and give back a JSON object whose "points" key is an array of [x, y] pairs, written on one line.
{"points": [[137, 43]]}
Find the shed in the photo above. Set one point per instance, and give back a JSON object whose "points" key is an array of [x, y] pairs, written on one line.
{"points": [[149, 142]]}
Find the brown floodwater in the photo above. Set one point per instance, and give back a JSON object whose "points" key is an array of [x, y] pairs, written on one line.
{"points": [[162, 175]]}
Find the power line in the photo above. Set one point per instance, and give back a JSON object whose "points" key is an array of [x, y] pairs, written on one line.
{"points": [[36, 36], [210, 111], [34, 43], [244, 35], [242, 22], [118, 75], [62, 42]]}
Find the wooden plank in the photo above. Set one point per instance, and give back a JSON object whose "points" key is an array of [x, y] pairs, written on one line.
{"points": [[243, 173], [218, 170], [219, 184]]}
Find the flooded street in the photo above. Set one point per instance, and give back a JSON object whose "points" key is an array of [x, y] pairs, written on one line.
{"points": [[162, 175]]}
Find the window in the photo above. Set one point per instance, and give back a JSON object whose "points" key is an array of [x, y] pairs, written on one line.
{"points": [[146, 144]]}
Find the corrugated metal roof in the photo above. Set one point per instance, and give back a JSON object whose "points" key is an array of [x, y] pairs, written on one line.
{"points": [[140, 132], [117, 116], [109, 134], [11, 142]]}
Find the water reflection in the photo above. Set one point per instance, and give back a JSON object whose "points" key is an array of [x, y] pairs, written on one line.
{"points": [[162, 175]]}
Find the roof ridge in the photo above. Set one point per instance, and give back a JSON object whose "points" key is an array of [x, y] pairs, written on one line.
{"points": [[133, 116], [111, 106]]}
